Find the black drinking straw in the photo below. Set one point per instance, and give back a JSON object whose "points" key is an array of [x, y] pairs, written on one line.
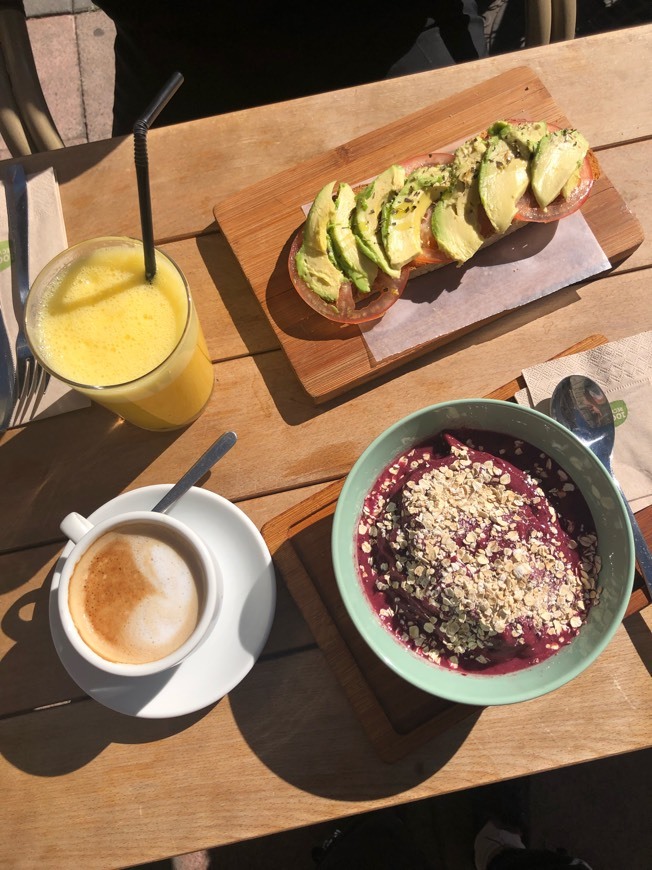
{"points": [[141, 127]]}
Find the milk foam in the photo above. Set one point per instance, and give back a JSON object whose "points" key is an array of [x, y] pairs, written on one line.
{"points": [[134, 596], [156, 620]]}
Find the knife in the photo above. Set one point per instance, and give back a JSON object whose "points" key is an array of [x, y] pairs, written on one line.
{"points": [[7, 377], [16, 192], [7, 368]]}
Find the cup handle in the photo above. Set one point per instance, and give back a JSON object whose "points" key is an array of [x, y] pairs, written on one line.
{"points": [[75, 526]]}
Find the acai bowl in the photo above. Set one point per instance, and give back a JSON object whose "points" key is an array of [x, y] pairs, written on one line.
{"points": [[482, 551]]}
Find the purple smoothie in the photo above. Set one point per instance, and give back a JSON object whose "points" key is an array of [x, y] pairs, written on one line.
{"points": [[478, 552]]}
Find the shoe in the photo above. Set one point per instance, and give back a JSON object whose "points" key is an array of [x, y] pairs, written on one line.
{"points": [[491, 840]]}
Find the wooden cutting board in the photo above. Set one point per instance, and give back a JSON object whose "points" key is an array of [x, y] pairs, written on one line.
{"points": [[396, 716], [260, 220]]}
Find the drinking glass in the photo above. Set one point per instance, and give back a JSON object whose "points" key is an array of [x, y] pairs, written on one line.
{"points": [[91, 312]]}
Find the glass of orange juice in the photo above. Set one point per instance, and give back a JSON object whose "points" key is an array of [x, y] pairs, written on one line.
{"points": [[135, 346]]}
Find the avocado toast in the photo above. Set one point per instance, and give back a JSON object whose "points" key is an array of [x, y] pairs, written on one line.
{"points": [[357, 249]]}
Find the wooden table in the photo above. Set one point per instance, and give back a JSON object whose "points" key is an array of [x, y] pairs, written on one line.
{"points": [[81, 784]]}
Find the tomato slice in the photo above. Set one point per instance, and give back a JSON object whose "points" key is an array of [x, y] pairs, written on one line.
{"points": [[351, 306], [431, 253], [529, 210]]}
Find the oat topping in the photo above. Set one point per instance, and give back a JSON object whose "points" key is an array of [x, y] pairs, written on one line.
{"points": [[472, 558]]}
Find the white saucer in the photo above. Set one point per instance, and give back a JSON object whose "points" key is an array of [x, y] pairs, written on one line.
{"points": [[227, 655]]}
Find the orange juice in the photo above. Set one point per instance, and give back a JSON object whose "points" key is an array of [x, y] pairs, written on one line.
{"points": [[134, 346]]}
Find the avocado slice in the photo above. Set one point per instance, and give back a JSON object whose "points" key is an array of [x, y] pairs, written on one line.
{"points": [[456, 217], [502, 180], [571, 184], [402, 223], [557, 159], [456, 223], [466, 159], [367, 217], [355, 265], [523, 137], [315, 259]]}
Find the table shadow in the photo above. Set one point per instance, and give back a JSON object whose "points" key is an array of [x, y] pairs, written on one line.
{"points": [[288, 721], [65, 750], [76, 461], [641, 638], [300, 731], [235, 291], [61, 751], [27, 623]]}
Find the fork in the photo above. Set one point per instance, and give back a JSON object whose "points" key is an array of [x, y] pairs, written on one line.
{"points": [[31, 377]]}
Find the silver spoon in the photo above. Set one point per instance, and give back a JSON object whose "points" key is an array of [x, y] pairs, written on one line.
{"points": [[580, 405], [223, 444]]}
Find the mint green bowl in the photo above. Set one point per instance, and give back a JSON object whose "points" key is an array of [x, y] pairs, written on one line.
{"points": [[615, 546]]}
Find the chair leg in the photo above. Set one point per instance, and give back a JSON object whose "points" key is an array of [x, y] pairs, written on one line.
{"points": [[11, 126], [25, 84], [538, 22], [564, 15]]}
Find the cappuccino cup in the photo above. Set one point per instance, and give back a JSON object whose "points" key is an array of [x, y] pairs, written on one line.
{"points": [[137, 593]]}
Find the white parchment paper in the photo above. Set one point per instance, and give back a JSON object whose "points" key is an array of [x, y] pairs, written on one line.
{"points": [[532, 262]]}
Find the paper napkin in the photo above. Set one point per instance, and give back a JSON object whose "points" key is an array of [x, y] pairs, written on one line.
{"points": [[528, 264], [47, 237], [624, 371]]}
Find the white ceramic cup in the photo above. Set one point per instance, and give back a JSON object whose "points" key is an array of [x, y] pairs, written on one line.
{"points": [[209, 582]]}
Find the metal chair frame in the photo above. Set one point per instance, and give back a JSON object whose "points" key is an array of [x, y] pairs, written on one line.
{"points": [[26, 124], [549, 21]]}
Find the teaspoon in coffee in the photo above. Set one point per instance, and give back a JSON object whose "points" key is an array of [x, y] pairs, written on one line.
{"points": [[580, 405], [214, 453]]}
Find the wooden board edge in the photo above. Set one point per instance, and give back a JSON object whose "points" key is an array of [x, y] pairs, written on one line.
{"points": [[509, 390], [277, 530]]}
